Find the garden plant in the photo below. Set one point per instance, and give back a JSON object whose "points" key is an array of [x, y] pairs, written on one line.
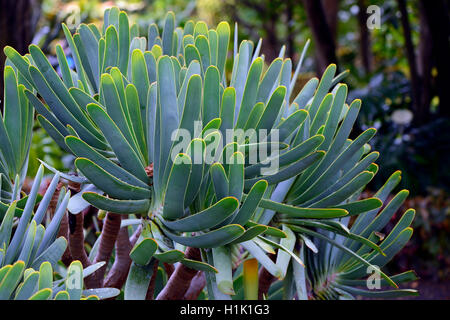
{"points": [[204, 174]]}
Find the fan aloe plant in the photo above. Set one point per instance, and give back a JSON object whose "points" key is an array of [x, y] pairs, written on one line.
{"points": [[30, 251], [39, 284], [31, 242], [219, 169], [15, 136]]}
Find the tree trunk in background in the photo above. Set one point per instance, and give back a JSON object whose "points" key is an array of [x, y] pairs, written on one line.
{"points": [[271, 46], [271, 43], [425, 63], [323, 39], [331, 8], [436, 13], [290, 30], [364, 37], [411, 56], [18, 19]]}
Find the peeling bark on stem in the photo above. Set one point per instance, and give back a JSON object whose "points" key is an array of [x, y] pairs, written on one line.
{"points": [[63, 226], [180, 280], [108, 239], [118, 274], [76, 239], [196, 287], [134, 238], [64, 232]]}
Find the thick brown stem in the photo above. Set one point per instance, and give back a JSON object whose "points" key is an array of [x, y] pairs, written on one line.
{"points": [[265, 279], [151, 286], [134, 238], [63, 226], [180, 280], [169, 269], [64, 232], [54, 200], [119, 271], [196, 287], [76, 239], [108, 239]]}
